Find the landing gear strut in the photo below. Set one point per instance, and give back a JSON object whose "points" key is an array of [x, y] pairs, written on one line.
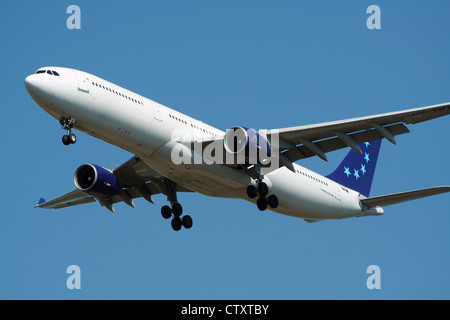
{"points": [[67, 124], [176, 210]]}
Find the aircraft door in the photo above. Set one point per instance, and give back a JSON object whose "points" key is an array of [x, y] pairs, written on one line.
{"points": [[83, 82], [157, 114]]}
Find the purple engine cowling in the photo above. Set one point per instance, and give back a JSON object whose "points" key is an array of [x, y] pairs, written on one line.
{"points": [[249, 143], [96, 181]]}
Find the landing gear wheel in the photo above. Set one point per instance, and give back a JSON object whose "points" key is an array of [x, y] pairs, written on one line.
{"points": [[176, 223], [252, 192], [261, 203], [66, 140], [272, 201], [263, 189], [187, 221], [72, 138], [166, 212], [177, 209]]}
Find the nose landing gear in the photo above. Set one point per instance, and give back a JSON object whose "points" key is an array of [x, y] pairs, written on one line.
{"points": [[67, 124]]}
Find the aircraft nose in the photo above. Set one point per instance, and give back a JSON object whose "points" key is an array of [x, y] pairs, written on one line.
{"points": [[38, 88], [31, 83]]}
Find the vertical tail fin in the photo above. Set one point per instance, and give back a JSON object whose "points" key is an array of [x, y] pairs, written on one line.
{"points": [[356, 171]]}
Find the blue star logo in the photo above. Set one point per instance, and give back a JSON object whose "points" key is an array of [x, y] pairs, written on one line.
{"points": [[366, 157], [367, 144], [347, 171], [363, 168], [356, 174]]}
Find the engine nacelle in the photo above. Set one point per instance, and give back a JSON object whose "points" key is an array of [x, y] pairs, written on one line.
{"points": [[96, 181], [247, 145]]}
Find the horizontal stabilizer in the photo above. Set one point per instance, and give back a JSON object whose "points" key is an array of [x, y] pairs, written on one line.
{"points": [[394, 198]]}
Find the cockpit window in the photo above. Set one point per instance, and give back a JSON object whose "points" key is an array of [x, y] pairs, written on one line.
{"points": [[50, 72]]}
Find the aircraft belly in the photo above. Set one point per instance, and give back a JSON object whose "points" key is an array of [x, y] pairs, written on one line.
{"points": [[303, 198], [298, 197], [209, 179]]}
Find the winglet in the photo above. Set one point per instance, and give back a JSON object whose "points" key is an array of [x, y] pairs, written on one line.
{"points": [[41, 201]]}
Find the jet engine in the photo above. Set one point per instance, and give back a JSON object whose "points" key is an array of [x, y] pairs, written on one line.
{"points": [[96, 181], [249, 146]]}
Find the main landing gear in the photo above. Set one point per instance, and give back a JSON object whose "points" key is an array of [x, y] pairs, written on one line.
{"points": [[177, 221], [176, 210], [67, 124], [262, 190]]}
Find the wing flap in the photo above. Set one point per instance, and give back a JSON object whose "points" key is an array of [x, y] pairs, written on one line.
{"points": [[302, 152], [395, 198]]}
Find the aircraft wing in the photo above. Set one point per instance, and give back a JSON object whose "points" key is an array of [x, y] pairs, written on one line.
{"points": [[395, 198], [317, 139], [69, 199], [302, 142], [136, 178]]}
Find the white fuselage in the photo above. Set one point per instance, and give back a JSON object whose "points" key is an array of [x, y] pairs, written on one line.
{"points": [[149, 130]]}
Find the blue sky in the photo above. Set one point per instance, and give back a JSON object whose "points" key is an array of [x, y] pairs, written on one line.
{"points": [[262, 64]]}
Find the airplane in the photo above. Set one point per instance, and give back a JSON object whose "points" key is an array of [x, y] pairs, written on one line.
{"points": [[175, 153]]}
